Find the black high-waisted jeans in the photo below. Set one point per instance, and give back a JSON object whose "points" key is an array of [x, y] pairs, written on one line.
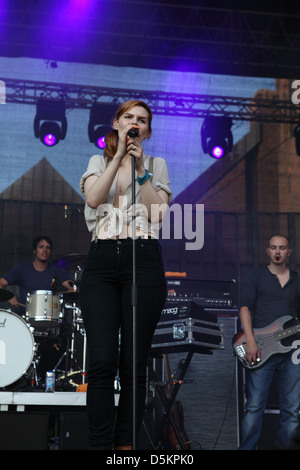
{"points": [[105, 294]]}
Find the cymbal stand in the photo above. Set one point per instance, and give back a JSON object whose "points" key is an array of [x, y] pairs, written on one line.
{"points": [[69, 354], [34, 376]]}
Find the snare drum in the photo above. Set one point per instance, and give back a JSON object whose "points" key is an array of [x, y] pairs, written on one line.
{"points": [[17, 348], [43, 309]]}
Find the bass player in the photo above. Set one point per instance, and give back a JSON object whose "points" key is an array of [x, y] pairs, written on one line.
{"points": [[269, 293]]}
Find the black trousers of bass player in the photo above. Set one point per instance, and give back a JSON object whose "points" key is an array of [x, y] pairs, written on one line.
{"points": [[105, 293]]}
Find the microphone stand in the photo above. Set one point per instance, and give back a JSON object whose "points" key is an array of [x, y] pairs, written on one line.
{"points": [[133, 132], [134, 305]]}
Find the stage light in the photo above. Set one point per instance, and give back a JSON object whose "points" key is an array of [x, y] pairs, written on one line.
{"points": [[98, 137], [49, 133], [50, 123], [101, 115], [297, 138], [216, 136]]}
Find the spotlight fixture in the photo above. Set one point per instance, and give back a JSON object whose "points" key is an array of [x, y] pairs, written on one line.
{"points": [[50, 124], [216, 136], [100, 116], [297, 138]]}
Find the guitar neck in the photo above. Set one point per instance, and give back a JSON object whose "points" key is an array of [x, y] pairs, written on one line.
{"points": [[287, 332]]}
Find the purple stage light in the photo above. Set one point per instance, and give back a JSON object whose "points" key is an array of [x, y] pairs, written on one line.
{"points": [[217, 152], [97, 136], [101, 142], [50, 123], [49, 140], [101, 115], [216, 136], [50, 133]]}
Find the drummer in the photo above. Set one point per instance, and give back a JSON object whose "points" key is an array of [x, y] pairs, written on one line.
{"points": [[40, 274]]}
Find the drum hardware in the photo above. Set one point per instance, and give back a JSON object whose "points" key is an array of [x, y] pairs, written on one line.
{"points": [[70, 378], [72, 367], [34, 380], [77, 311], [71, 302], [77, 276], [45, 333], [77, 318], [65, 379]]}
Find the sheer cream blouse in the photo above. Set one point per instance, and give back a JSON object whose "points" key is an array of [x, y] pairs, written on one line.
{"points": [[108, 221]]}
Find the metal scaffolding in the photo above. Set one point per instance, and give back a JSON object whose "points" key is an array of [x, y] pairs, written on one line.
{"points": [[162, 103]]}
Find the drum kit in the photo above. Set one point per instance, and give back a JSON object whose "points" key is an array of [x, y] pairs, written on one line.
{"points": [[50, 335]]}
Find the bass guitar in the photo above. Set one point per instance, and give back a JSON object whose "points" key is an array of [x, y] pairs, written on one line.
{"points": [[269, 340]]}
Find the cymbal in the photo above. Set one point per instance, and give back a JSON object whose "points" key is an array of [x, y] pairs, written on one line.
{"points": [[5, 295], [71, 261]]}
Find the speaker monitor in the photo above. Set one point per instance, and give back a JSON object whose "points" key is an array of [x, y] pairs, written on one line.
{"points": [[73, 433], [24, 431]]}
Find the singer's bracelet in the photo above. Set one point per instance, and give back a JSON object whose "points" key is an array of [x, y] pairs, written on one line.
{"points": [[141, 180]]}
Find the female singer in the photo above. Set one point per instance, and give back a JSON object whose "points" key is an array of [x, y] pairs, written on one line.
{"points": [[106, 285]]}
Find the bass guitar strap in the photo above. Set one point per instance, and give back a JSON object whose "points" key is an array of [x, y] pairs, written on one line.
{"points": [[295, 295]]}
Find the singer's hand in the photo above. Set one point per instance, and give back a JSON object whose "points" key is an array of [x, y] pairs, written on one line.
{"points": [[123, 139], [135, 149]]}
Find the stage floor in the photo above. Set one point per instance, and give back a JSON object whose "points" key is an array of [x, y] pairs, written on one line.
{"points": [[44, 420], [23, 399]]}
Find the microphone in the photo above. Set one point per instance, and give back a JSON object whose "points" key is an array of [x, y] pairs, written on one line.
{"points": [[133, 131]]}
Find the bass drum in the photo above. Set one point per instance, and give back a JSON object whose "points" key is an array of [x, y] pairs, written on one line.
{"points": [[17, 348]]}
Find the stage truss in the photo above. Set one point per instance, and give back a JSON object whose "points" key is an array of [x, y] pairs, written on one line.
{"points": [[162, 103]]}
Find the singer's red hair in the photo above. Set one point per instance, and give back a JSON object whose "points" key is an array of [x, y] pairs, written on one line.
{"points": [[111, 139]]}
